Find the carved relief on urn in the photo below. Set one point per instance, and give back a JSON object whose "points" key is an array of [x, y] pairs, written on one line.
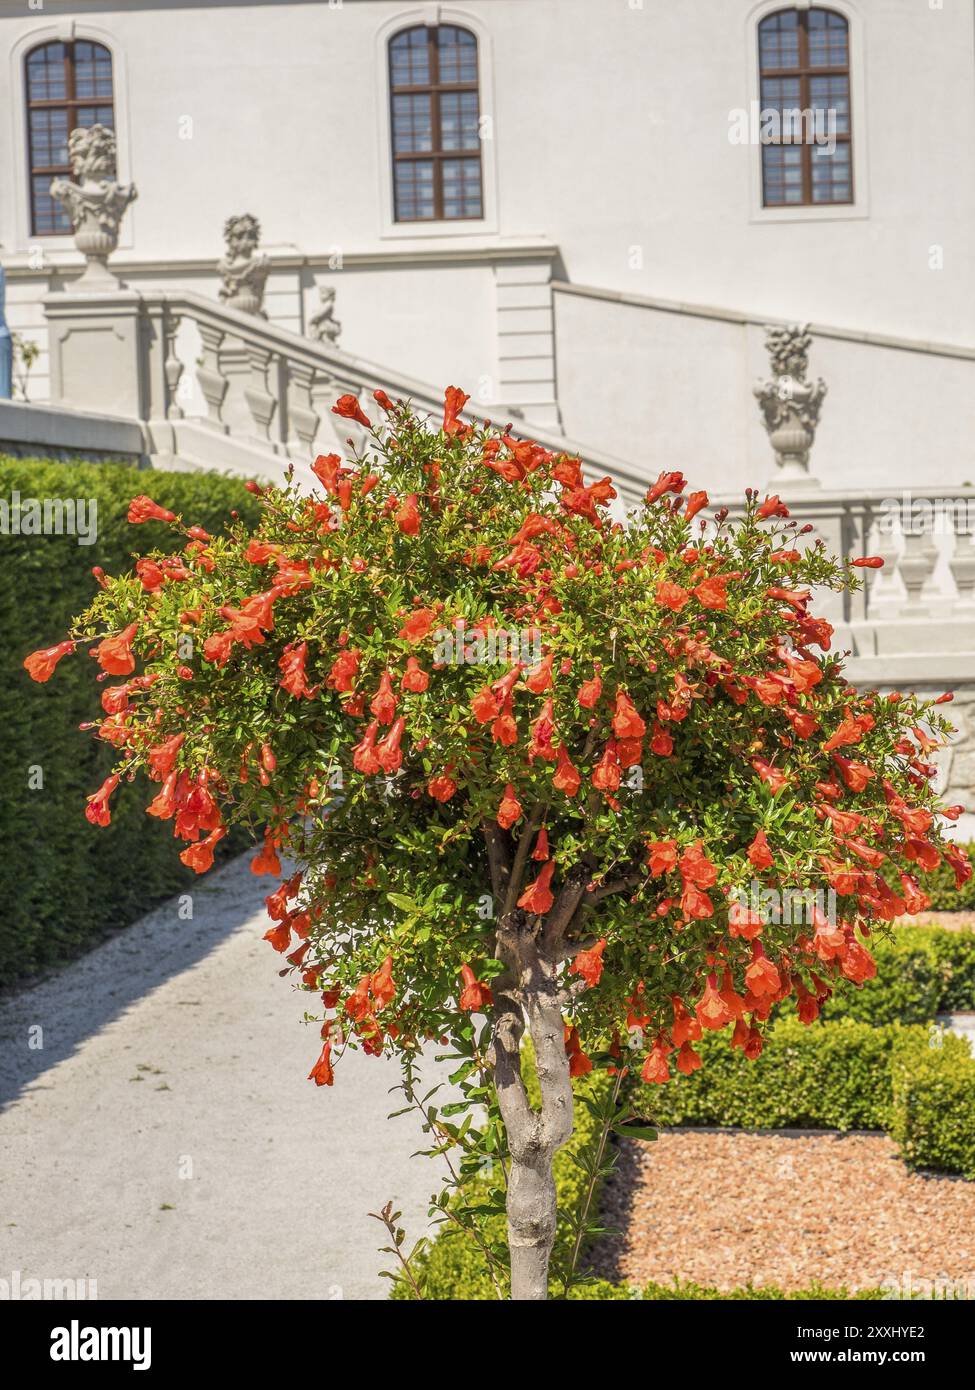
{"points": [[789, 403], [94, 201], [243, 269]]}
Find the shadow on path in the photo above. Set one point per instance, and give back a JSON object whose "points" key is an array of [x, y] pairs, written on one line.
{"points": [[89, 994]]}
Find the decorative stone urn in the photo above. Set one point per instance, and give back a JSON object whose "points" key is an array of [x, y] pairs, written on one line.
{"points": [[243, 269], [789, 403], [94, 202], [324, 326]]}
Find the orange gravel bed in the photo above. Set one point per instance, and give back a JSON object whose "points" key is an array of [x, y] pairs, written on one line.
{"points": [[732, 1207]]}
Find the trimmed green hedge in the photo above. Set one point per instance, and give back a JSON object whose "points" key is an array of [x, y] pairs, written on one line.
{"points": [[921, 971], [933, 1113], [917, 1084], [836, 1075], [68, 882]]}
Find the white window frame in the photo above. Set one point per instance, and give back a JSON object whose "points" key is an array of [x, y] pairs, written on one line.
{"points": [[66, 31], [432, 15], [828, 212]]}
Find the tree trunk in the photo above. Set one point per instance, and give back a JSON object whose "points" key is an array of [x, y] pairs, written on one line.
{"points": [[528, 993], [531, 1226]]}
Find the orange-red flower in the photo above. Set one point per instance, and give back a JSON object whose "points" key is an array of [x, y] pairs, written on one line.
{"points": [[671, 595], [322, 1073], [383, 985], [655, 1070], [384, 702], [662, 856], [538, 897], [143, 508], [626, 721], [590, 691], [40, 664], [454, 402], [408, 516], [97, 810], [589, 964], [475, 997], [418, 624], [349, 407], [114, 654], [442, 787], [292, 666], [388, 750], [761, 977], [712, 1011], [199, 857], [510, 808], [566, 778], [759, 854], [266, 861], [415, 679]]}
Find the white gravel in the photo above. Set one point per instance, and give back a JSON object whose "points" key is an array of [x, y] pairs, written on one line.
{"points": [[164, 1141]]}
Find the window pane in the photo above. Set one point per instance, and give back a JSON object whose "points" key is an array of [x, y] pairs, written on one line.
{"points": [[412, 124], [49, 216], [831, 178], [45, 73], [92, 71], [782, 174], [827, 39], [458, 121], [409, 58], [413, 188], [462, 188], [49, 138], [832, 94], [456, 54], [778, 40], [780, 94]]}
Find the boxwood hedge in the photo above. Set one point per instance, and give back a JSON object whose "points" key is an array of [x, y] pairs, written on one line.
{"points": [[66, 881]]}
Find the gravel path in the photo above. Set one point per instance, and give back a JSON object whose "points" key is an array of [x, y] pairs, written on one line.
{"points": [[164, 1141], [731, 1207]]}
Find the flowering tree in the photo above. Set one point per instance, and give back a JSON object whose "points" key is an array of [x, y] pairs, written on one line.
{"points": [[522, 762]]}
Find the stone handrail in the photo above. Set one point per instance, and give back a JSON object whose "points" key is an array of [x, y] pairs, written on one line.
{"points": [[284, 371]]}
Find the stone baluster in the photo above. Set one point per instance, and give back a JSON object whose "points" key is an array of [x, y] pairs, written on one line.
{"points": [[303, 418], [962, 562], [213, 382], [261, 402], [172, 366], [916, 565]]}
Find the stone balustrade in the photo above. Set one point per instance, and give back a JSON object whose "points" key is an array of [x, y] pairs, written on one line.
{"points": [[219, 387]]}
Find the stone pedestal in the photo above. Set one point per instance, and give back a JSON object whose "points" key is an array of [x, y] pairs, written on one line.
{"points": [[97, 352]]}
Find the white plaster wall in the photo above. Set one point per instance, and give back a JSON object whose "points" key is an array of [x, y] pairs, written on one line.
{"points": [[673, 390], [611, 132], [610, 139]]}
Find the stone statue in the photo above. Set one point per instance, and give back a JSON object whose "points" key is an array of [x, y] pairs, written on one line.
{"points": [[789, 403], [324, 326], [243, 269], [94, 201]]}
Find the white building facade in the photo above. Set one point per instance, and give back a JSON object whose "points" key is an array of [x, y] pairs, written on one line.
{"points": [[582, 211]]}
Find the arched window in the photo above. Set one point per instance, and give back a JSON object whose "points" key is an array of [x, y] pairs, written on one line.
{"points": [[68, 85], [434, 119], [804, 66]]}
